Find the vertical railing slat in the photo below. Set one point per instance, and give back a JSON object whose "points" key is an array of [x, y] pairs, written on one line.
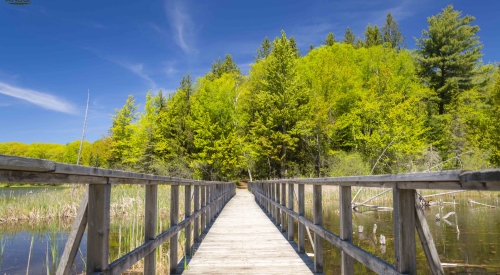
{"points": [[174, 220], [347, 266], [98, 227], [290, 206], [318, 220], [404, 231], [283, 203], [196, 208], [301, 234], [151, 201], [187, 214]]}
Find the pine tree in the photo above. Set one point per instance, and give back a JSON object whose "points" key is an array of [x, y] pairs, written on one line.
{"points": [[121, 132], [264, 50], [373, 36], [221, 67], [392, 33], [293, 45], [449, 52], [330, 39], [349, 37]]}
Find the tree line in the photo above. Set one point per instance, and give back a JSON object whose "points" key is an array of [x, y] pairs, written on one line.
{"points": [[350, 107]]}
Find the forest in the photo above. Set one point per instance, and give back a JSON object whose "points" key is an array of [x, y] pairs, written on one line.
{"points": [[357, 105]]}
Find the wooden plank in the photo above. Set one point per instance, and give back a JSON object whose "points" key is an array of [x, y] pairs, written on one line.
{"points": [[151, 205], [203, 204], [450, 175], [283, 203], [98, 227], [482, 176], [174, 219], [426, 239], [75, 237], [278, 211], [404, 231], [40, 177], [231, 246], [301, 228], [318, 220], [196, 208], [290, 207], [187, 214], [377, 265], [347, 265], [25, 164], [207, 211]]}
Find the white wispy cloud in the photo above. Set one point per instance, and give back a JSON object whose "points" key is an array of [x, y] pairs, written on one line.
{"points": [[43, 100], [181, 24], [137, 69]]}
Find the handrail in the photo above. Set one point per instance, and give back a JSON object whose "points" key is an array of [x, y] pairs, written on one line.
{"points": [[29, 170], [94, 210], [407, 213], [488, 179]]}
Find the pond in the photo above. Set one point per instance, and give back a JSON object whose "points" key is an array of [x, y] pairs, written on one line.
{"points": [[468, 240], [474, 247]]}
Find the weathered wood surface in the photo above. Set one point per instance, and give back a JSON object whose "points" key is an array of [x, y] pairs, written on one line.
{"points": [[75, 237], [98, 227], [26, 164], [405, 251], [151, 200], [347, 267], [426, 239], [243, 240], [55, 172]]}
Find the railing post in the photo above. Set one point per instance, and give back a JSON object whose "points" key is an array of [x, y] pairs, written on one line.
{"points": [[290, 206], [187, 214], [151, 199], [196, 208], [302, 228], [273, 212], [283, 203], [278, 214], [347, 265], [318, 220], [203, 203], [404, 230], [212, 199], [174, 220], [98, 227]]}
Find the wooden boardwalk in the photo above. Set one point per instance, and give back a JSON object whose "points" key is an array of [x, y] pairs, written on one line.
{"points": [[243, 240]]}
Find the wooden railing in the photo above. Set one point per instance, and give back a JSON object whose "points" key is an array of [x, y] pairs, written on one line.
{"points": [[407, 214], [209, 199]]}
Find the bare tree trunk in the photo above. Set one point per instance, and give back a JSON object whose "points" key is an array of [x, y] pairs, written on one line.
{"points": [[83, 136]]}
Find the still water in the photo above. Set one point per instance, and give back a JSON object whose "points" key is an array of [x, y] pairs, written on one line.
{"points": [[470, 239]]}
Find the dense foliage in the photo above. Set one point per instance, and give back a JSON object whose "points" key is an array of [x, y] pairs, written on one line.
{"points": [[358, 106]]}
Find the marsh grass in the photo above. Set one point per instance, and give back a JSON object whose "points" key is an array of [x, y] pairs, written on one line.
{"points": [[49, 212]]}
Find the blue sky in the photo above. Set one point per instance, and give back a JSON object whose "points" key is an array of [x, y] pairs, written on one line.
{"points": [[52, 52]]}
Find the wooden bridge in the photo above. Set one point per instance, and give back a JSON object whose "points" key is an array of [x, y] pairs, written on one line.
{"points": [[240, 237]]}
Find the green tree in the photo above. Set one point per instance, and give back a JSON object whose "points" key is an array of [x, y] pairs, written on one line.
{"points": [[279, 107], [391, 33], [349, 37], [373, 37], [221, 67], [264, 50], [449, 53], [330, 39], [121, 133], [293, 45]]}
